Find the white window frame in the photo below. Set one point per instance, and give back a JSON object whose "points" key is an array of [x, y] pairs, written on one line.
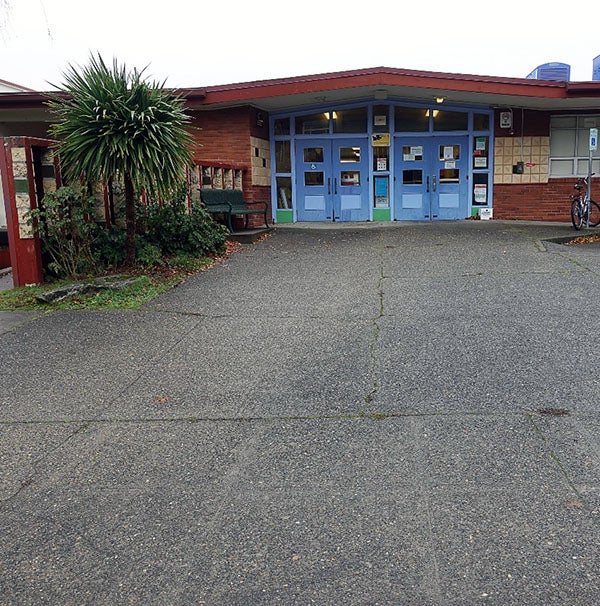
{"points": [[583, 122]]}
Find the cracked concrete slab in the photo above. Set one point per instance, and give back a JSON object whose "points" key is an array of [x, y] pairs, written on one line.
{"points": [[373, 414]]}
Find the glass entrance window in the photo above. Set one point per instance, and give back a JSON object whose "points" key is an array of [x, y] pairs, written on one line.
{"points": [[283, 158], [314, 179], [411, 119], [449, 175], [381, 159], [412, 177], [350, 178], [281, 126], [449, 152], [446, 120], [313, 124], [284, 193], [380, 119], [349, 154], [313, 154], [412, 153], [350, 120], [481, 122]]}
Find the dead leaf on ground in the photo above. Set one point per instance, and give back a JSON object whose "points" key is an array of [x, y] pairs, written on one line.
{"points": [[161, 399]]}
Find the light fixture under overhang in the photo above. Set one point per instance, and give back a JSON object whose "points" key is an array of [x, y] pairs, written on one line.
{"points": [[439, 99]]}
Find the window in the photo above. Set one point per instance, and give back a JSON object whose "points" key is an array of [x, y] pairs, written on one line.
{"points": [[281, 126], [350, 120], [446, 120], [481, 122], [411, 119], [315, 124], [349, 154], [284, 193], [569, 145], [283, 162]]}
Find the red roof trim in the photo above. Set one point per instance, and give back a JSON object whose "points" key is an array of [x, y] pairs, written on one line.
{"points": [[380, 76]]}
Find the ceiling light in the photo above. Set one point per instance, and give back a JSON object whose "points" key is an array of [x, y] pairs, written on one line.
{"points": [[439, 99]]}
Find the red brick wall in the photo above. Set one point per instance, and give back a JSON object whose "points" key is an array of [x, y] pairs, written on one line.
{"points": [[534, 201], [223, 136]]}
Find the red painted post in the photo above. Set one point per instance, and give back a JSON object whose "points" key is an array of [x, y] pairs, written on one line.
{"points": [[25, 255]]}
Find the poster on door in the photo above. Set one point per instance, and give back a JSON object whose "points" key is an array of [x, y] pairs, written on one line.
{"points": [[480, 193]]}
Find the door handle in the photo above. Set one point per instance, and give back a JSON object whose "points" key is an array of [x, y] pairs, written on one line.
{"points": [[329, 185], [335, 185], [427, 183], [434, 183]]}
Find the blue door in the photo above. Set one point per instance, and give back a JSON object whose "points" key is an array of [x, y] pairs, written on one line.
{"points": [[431, 178], [332, 180]]}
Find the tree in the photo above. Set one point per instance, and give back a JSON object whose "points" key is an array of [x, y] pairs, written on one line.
{"points": [[112, 123]]}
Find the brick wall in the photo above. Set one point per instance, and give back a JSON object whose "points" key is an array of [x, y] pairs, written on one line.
{"points": [[530, 196], [534, 201], [227, 136]]}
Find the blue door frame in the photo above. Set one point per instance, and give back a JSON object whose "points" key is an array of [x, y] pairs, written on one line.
{"points": [[431, 176], [332, 179]]}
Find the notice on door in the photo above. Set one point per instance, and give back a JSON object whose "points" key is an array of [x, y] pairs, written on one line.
{"points": [[380, 140], [480, 193]]}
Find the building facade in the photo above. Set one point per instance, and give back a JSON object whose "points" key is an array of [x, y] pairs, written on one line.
{"points": [[378, 144], [394, 145]]}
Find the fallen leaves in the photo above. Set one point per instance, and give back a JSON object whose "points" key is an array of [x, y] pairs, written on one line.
{"points": [[584, 240]]}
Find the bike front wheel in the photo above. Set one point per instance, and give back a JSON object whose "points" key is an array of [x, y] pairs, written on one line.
{"points": [[577, 214], [594, 214]]}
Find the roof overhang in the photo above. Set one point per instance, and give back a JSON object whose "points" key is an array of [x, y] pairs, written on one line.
{"points": [[390, 83], [383, 83]]}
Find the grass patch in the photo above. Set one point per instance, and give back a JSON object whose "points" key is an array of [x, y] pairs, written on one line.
{"points": [[150, 283]]}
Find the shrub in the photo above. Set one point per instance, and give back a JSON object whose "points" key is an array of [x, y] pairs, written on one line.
{"points": [[174, 229], [109, 247], [65, 225]]}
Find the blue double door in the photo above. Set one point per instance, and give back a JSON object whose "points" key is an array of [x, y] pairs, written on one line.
{"points": [[431, 178], [332, 179]]}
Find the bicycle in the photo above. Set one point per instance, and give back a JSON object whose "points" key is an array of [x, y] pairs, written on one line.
{"points": [[583, 208]]}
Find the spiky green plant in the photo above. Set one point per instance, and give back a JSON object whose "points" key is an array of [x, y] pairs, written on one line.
{"points": [[112, 123]]}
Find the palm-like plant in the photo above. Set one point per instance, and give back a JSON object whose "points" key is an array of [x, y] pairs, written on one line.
{"points": [[112, 123]]}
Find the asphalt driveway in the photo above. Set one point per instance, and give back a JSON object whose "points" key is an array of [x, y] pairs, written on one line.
{"points": [[386, 414]]}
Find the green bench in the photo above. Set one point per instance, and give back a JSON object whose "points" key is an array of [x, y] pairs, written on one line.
{"points": [[230, 203]]}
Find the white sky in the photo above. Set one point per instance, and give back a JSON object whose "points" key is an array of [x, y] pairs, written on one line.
{"points": [[203, 42]]}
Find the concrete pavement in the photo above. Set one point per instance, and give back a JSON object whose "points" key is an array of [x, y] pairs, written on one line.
{"points": [[384, 414]]}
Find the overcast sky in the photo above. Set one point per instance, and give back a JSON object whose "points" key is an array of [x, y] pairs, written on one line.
{"points": [[200, 42]]}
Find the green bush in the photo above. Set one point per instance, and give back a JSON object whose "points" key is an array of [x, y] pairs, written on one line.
{"points": [[171, 228], [109, 247], [73, 244], [65, 225]]}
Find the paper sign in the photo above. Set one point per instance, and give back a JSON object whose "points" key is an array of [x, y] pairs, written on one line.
{"points": [[480, 162], [381, 163], [381, 187], [480, 193], [408, 157], [450, 164], [448, 152], [480, 143], [380, 120], [381, 140], [416, 150]]}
